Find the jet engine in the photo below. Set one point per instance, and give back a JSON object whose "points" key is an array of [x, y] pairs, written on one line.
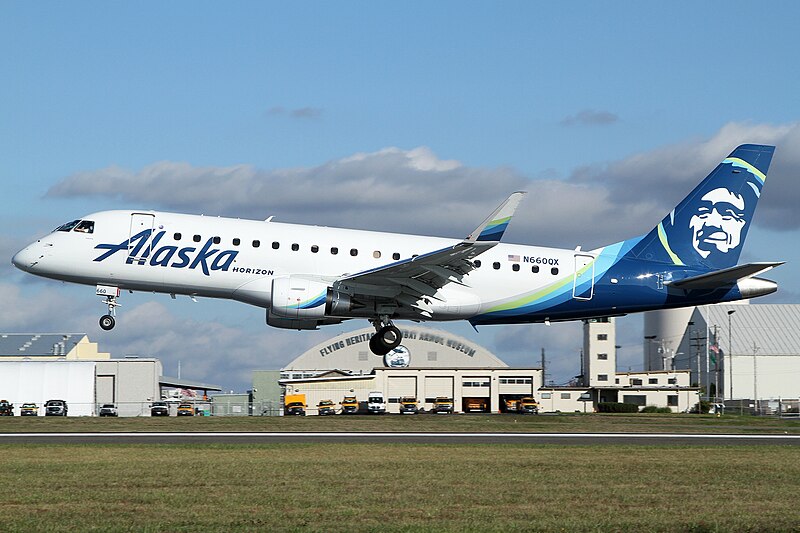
{"points": [[298, 298]]}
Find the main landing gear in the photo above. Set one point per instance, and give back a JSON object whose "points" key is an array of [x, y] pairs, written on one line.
{"points": [[387, 336], [110, 294]]}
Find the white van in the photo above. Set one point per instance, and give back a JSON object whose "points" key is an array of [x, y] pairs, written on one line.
{"points": [[376, 403]]}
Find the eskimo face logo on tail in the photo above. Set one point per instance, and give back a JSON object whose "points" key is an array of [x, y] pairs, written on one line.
{"points": [[718, 222], [140, 250]]}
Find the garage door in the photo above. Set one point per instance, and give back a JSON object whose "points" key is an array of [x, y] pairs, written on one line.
{"points": [[105, 389], [438, 386], [401, 386]]}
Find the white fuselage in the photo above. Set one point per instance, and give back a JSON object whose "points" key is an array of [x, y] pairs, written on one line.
{"points": [[238, 259]]}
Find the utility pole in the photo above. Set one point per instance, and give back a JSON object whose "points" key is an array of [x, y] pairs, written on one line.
{"points": [[730, 353], [755, 377], [543, 367]]}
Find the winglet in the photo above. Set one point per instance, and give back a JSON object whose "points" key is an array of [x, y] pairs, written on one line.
{"points": [[492, 229]]}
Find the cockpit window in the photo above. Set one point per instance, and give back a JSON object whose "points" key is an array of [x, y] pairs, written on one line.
{"points": [[68, 226], [85, 226]]}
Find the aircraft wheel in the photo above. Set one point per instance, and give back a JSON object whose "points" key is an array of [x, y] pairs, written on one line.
{"points": [[385, 340], [107, 322]]}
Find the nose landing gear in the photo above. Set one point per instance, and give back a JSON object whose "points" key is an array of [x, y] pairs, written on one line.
{"points": [[387, 336], [110, 294]]}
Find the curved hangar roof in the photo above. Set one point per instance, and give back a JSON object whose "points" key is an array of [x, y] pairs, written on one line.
{"points": [[423, 348]]}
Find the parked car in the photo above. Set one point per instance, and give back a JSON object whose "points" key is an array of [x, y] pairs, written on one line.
{"points": [[6, 408], [29, 409], [55, 408], [159, 409], [108, 409], [185, 409]]}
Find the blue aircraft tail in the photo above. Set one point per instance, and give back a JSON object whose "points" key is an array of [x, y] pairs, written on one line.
{"points": [[708, 228]]}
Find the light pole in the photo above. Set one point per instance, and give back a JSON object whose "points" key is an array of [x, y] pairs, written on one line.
{"points": [[730, 354]]}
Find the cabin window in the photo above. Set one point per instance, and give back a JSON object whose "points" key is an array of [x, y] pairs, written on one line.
{"points": [[217, 240], [85, 226], [196, 238], [177, 236], [554, 271], [376, 254], [496, 265], [295, 247], [314, 249], [334, 250], [236, 241], [515, 267], [396, 256], [535, 269], [477, 263], [256, 244], [353, 252], [276, 245]]}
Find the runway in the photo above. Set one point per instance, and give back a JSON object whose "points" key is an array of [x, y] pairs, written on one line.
{"points": [[401, 438]]}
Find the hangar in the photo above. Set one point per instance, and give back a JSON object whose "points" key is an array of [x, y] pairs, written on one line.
{"points": [[37, 367], [433, 363], [742, 354]]}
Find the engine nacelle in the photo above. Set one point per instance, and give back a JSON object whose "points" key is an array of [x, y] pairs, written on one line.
{"points": [[298, 298], [291, 323]]}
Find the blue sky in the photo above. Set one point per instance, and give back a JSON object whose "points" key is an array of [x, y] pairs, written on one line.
{"points": [[579, 102]]}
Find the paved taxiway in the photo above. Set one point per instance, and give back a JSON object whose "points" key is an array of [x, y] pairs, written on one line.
{"points": [[399, 438]]}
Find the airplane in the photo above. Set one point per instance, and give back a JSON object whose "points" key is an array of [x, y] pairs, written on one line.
{"points": [[310, 276]]}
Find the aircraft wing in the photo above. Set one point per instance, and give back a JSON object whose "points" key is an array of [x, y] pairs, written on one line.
{"points": [[413, 282], [726, 276]]}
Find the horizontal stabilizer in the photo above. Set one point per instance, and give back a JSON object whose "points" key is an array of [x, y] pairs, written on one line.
{"points": [[720, 278]]}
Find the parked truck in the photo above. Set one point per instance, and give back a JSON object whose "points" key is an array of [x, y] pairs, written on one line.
{"points": [[325, 407], [376, 403], [408, 405], [294, 405], [442, 405], [349, 405], [6, 408], [528, 406]]}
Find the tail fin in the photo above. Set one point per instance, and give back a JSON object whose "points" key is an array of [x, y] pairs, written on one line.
{"points": [[708, 228]]}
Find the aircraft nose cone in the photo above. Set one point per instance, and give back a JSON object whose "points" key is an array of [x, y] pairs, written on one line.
{"points": [[26, 258]]}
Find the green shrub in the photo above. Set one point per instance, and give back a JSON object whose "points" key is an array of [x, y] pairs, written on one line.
{"points": [[704, 407], [617, 407], [655, 409]]}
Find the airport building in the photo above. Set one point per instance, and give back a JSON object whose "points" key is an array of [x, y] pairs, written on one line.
{"points": [[35, 368], [739, 354], [432, 363]]}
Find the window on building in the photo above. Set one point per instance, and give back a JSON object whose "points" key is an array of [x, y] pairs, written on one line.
{"points": [[546, 395], [616, 381], [635, 399], [565, 396], [602, 356], [602, 336], [652, 381], [672, 400], [602, 377], [636, 382], [672, 381]]}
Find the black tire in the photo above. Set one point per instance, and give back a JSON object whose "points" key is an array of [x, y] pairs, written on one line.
{"points": [[385, 340], [107, 322]]}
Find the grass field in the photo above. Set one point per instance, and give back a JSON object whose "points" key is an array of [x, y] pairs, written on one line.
{"points": [[578, 423], [365, 487]]}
